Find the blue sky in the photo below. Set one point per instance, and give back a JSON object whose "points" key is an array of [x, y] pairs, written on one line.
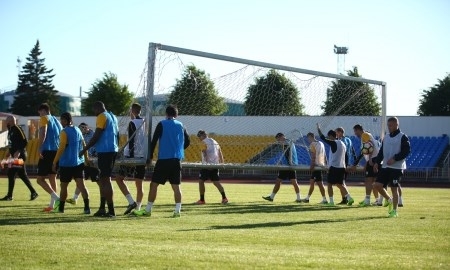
{"points": [[404, 43]]}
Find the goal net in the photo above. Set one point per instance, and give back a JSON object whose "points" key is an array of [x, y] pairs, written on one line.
{"points": [[243, 103]]}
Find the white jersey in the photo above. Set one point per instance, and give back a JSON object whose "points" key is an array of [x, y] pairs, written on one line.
{"points": [[337, 159], [366, 137], [139, 140], [212, 151], [391, 147], [318, 150]]}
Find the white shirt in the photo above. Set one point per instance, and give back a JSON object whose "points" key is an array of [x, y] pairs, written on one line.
{"points": [[212, 151], [317, 149], [337, 159], [139, 139]]}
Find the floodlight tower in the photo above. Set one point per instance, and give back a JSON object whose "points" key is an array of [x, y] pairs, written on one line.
{"points": [[340, 52], [19, 65]]}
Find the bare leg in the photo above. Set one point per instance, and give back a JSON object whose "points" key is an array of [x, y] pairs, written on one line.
{"points": [[311, 187], [321, 188], [139, 189], [120, 180], [276, 188], [295, 185], [153, 192]]}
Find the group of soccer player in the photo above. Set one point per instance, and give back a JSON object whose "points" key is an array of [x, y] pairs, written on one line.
{"points": [[384, 165]]}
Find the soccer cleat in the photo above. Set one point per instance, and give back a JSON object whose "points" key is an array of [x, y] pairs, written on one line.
{"points": [[323, 202], [224, 201], [56, 211], [176, 214], [199, 202], [350, 201], [130, 208], [330, 204], [363, 204], [33, 196], [267, 198], [305, 200], [400, 205], [344, 201], [141, 213], [392, 214], [6, 198], [389, 205], [47, 209], [87, 211], [299, 201], [100, 213], [56, 205], [71, 201]]}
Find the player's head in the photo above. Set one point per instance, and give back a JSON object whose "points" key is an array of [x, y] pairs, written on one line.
{"points": [[83, 127], [10, 121], [66, 119], [310, 137], [340, 132], [43, 109], [280, 137], [135, 109], [392, 124], [332, 135], [201, 134], [98, 107], [358, 130], [171, 111]]}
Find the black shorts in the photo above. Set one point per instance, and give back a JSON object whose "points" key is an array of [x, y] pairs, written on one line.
{"points": [[212, 174], [316, 175], [106, 163], [283, 175], [336, 175], [390, 176], [91, 172], [167, 169], [137, 172], [45, 164], [369, 171], [66, 174]]}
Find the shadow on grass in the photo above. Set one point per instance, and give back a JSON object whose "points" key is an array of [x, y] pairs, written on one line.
{"points": [[279, 224], [53, 218]]}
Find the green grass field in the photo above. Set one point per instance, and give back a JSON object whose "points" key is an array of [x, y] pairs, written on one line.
{"points": [[249, 233]]}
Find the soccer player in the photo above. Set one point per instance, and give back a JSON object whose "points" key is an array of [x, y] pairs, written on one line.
{"points": [[317, 153], [106, 141], [173, 139], [289, 157], [366, 137], [71, 165], [336, 163], [394, 150], [49, 129], [211, 154], [134, 149], [349, 157], [17, 149]]}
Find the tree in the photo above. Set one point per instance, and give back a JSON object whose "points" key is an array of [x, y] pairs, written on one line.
{"points": [[346, 97], [273, 94], [35, 86], [195, 94], [108, 90], [436, 101]]}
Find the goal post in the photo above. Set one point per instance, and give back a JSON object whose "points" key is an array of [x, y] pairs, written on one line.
{"points": [[243, 103]]}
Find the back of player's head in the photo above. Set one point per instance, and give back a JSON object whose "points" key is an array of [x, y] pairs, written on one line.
{"points": [[45, 107], [98, 105], [201, 133], [136, 108], [358, 127], [331, 133], [279, 135], [393, 120], [66, 116], [172, 110], [340, 129], [310, 135]]}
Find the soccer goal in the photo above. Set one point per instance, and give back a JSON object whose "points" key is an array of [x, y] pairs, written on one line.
{"points": [[243, 103]]}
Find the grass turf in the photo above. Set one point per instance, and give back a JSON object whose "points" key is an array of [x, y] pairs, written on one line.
{"points": [[248, 233]]}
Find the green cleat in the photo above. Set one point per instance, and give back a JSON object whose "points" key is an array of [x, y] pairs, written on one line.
{"points": [[392, 214], [141, 213], [350, 201], [56, 206], [364, 204], [71, 201], [389, 205], [176, 214]]}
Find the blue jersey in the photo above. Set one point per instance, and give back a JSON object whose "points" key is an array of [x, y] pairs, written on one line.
{"points": [[51, 141], [349, 159], [289, 154], [70, 157], [171, 142], [108, 141]]}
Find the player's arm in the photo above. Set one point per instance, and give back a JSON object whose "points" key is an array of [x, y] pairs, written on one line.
{"points": [[61, 148], [312, 151], [43, 121], [99, 128], [131, 131], [405, 149], [187, 139], [156, 135], [331, 143], [86, 156], [221, 160]]}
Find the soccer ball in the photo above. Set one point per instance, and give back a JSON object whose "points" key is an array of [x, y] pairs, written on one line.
{"points": [[367, 148]]}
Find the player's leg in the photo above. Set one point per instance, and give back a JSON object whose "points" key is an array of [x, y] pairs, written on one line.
{"points": [[105, 165], [214, 175], [11, 183], [203, 176], [343, 195], [400, 195], [175, 182], [22, 173], [139, 182], [311, 189], [275, 189]]}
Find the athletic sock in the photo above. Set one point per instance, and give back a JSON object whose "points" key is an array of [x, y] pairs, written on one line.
{"points": [[307, 197], [61, 206], [348, 196], [75, 196], [111, 209], [177, 207], [202, 197], [86, 203], [272, 195], [331, 200], [324, 198], [129, 198], [298, 196], [102, 203], [149, 206], [139, 204]]}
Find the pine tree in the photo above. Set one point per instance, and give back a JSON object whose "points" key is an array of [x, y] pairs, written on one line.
{"points": [[35, 86]]}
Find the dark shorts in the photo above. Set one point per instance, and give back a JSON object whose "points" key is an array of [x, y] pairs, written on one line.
{"points": [[66, 174], [283, 175], [137, 172], [369, 171], [167, 169], [390, 176], [212, 174], [91, 172], [106, 163], [45, 164], [336, 175], [316, 176]]}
